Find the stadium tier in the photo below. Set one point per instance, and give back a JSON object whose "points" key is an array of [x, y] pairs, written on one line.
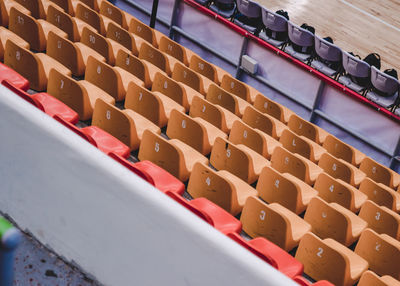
{"points": [[194, 153]]}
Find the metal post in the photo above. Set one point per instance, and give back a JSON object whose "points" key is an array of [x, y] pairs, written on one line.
{"points": [[10, 237], [153, 13]]}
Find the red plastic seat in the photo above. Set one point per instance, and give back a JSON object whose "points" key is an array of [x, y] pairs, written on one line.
{"points": [[47, 103], [272, 254], [153, 174], [304, 282], [13, 77], [211, 213]]}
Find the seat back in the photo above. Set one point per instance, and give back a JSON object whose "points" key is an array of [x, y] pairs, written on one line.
{"points": [[336, 168], [27, 28], [3, 14], [218, 95], [143, 31], [303, 128], [209, 112], [122, 36], [378, 172], [266, 105], [133, 65], [203, 67], [355, 66], [170, 88], [295, 143], [69, 91], [112, 120], [182, 73], [327, 51], [249, 8], [384, 82], [369, 278], [93, 4], [241, 133], [379, 193], [258, 120], [25, 63], [89, 16], [338, 148], [98, 43], [35, 6], [300, 36], [66, 5], [274, 21], [114, 13], [154, 56], [236, 87], [104, 76], [173, 49], [62, 20], [285, 162]]}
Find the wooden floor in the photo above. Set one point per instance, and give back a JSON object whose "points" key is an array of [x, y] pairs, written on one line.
{"points": [[357, 26]]}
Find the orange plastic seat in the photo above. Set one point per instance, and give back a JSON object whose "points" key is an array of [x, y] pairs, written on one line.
{"points": [[381, 251], [144, 33], [5, 7], [125, 125], [91, 17], [93, 4], [220, 187], [327, 259], [263, 122], [276, 110], [80, 95], [381, 194], [233, 103], [188, 77], [238, 159], [301, 145], [337, 191], [342, 150], [239, 88], [330, 220], [31, 30], [69, 6], [175, 50], [284, 189], [216, 115], [6, 35], [304, 128], [38, 8], [34, 67], [206, 69], [195, 132], [155, 59], [256, 140], [381, 219], [274, 222], [156, 107], [121, 39], [369, 278], [98, 43], [340, 169], [286, 162], [380, 173], [114, 13], [172, 155]]}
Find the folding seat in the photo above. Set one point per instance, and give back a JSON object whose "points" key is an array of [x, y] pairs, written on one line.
{"points": [[385, 88], [274, 222], [45, 102], [381, 194], [80, 95], [125, 125], [238, 88], [301, 145], [215, 114], [301, 38], [284, 189], [330, 220], [329, 57], [69, 6], [144, 33], [93, 4], [175, 50], [172, 155], [271, 253], [276, 110], [263, 122], [381, 251], [307, 129], [340, 169], [113, 80], [114, 13], [225, 8], [91, 17], [284, 161], [369, 278], [5, 6], [195, 132], [135, 66], [71, 25], [329, 260], [173, 89], [276, 28], [337, 191], [357, 72], [154, 175], [207, 69], [256, 140], [34, 67], [121, 39], [233, 103], [156, 107], [33, 31], [249, 17], [155, 59], [14, 78], [38, 8], [190, 78], [238, 159], [380, 173], [381, 219], [220, 187], [344, 151]]}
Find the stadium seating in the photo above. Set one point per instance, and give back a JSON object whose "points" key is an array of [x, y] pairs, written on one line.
{"points": [[274, 24], [328, 54], [355, 69], [249, 16], [225, 8], [385, 88], [301, 37]]}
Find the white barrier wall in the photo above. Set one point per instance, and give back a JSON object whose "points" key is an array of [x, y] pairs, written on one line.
{"points": [[94, 212]]}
